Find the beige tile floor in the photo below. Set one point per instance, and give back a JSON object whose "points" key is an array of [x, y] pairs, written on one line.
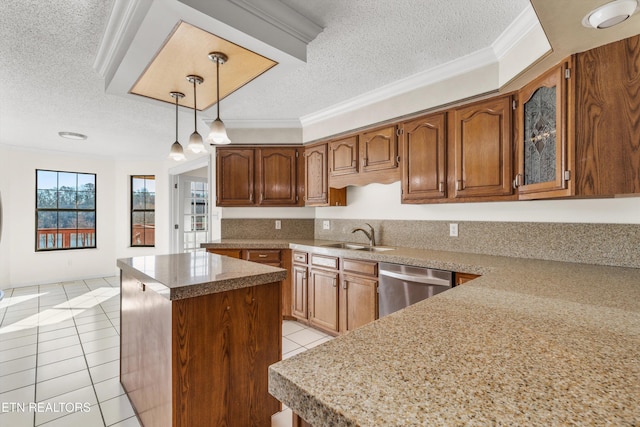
{"points": [[59, 356]]}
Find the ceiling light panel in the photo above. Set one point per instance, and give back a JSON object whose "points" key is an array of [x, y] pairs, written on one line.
{"points": [[184, 53]]}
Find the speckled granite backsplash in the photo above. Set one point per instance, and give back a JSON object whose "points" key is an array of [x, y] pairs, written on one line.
{"points": [[233, 228], [605, 244]]}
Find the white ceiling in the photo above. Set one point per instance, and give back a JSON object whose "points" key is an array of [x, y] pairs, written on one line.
{"points": [[48, 82]]}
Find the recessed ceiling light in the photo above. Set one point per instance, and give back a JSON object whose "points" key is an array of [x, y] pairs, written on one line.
{"points": [[610, 14], [72, 135]]}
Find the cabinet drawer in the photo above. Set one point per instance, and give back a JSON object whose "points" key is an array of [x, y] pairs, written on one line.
{"points": [[300, 257], [263, 255], [325, 261], [367, 268], [233, 253]]}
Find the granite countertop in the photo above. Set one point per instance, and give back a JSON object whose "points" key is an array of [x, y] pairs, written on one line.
{"points": [[187, 275], [530, 342]]}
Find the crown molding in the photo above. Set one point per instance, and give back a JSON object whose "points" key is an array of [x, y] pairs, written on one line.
{"points": [[436, 74], [259, 124], [524, 23], [124, 21]]}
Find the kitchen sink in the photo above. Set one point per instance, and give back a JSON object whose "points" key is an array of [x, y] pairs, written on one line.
{"points": [[375, 249], [344, 245], [356, 247]]}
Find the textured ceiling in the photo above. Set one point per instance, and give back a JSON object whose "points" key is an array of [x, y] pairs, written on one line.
{"points": [[48, 83]]}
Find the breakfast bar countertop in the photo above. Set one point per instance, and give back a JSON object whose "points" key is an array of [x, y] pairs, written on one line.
{"points": [[192, 274], [531, 342]]}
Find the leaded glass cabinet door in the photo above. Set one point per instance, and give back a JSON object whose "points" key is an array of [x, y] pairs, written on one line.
{"points": [[543, 141]]}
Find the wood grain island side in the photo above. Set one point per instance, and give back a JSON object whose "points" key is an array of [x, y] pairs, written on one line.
{"points": [[198, 333]]}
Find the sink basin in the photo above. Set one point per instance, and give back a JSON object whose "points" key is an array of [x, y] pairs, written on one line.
{"points": [[357, 247], [375, 249], [344, 245]]}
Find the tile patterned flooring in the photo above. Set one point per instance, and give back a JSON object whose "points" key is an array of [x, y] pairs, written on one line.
{"points": [[59, 356]]}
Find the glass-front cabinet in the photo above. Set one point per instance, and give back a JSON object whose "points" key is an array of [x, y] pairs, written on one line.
{"points": [[544, 140]]}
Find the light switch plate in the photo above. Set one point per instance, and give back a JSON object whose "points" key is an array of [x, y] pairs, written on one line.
{"points": [[453, 230], [278, 224], [326, 225]]}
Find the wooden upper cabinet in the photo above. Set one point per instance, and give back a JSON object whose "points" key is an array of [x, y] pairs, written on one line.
{"points": [[259, 176], [277, 173], [482, 150], [424, 172], [544, 146], [343, 156], [235, 174], [316, 180], [608, 119], [379, 149]]}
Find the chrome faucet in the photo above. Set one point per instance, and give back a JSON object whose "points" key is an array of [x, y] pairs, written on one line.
{"points": [[371, 234]]}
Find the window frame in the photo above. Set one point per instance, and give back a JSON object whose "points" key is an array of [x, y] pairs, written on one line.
{"points": [[57, 210], [145, 211]]}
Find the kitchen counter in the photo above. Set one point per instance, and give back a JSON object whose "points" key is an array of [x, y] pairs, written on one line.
{"points": [[192, 274], [189, 323], [530, 342]]}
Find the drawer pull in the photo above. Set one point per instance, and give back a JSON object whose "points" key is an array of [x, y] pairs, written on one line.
{"points": [[262, 255]]}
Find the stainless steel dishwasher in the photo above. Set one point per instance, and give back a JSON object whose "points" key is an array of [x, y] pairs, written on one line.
{"points": [[402, 285]]}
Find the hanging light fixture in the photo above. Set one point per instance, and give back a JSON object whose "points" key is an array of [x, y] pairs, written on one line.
{"points": [[217, 132], [177, 153], [195, 140]]}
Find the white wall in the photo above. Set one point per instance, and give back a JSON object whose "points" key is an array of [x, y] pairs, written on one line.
{"points": [[377, 201], [21, 265]]}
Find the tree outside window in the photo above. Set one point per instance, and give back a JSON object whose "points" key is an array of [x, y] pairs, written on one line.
{"points": [[143, 210], [65, 210]]}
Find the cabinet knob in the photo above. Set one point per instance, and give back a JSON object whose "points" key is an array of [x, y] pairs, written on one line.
{"points": [[262, 255]]}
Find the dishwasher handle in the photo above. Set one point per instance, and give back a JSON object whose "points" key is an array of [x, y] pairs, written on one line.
{"points": [[416, 279]]}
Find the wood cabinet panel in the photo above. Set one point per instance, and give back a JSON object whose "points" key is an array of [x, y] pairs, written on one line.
{"points": [[235, 174], [380, 149], [544, 142], [343, 156], [356, 266], [483, 149], [232, 253], [277, 174], [299, 292], [325, 261], [358, 302], [608, 119], [424, 145], [462, 278], [317, 190], [323, 299], [264, 256]]}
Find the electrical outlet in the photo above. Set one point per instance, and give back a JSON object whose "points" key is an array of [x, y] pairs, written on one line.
{"points": [[278, 224], [326, 225], [453, 230]]}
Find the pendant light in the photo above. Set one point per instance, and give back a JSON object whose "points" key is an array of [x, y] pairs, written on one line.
{"points": [[177, 153], [195, 140], [217, 132]]}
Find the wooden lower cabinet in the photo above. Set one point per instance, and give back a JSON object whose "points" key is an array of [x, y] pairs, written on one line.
{"points": [[462, 278], [274, 257], [323, 299], [358, 306], [299, 292], [200, 361]]}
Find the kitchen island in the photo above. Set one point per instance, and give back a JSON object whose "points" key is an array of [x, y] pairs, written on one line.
{"points": [[531, 342], [198, 332]]}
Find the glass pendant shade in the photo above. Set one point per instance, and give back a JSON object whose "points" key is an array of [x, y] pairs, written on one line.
{"points": [[195, 145], [177, 153], [217, 132]]}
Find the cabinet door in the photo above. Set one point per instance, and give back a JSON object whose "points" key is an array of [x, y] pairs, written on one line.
{"points": [[379, 149], [232, 253], [235, 177], [316, 184], [343, 156], [542, 136], [482, 149], [277, 176], [424, 174], [358, 302], [323, 299], [299, 292]]}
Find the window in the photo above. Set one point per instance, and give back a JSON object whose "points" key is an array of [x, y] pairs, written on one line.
{"points": [[143, 210], [65, 210]]}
